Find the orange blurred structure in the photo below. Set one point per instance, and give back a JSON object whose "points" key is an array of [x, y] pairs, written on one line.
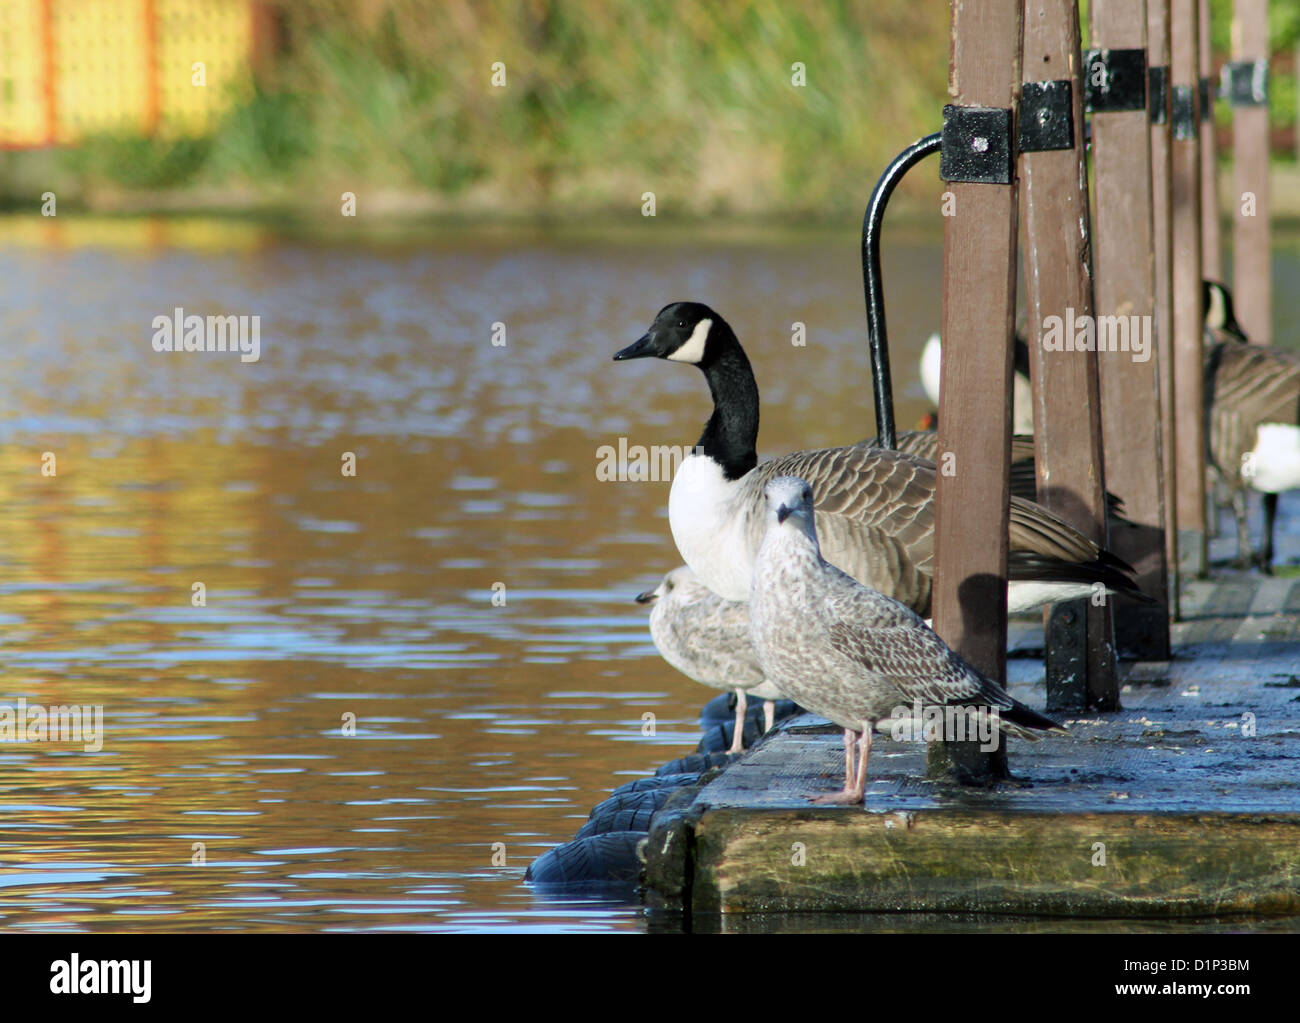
{"points": [[77, 67]]}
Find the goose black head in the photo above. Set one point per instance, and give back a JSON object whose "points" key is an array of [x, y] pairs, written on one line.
{"points": [[682, 332]]}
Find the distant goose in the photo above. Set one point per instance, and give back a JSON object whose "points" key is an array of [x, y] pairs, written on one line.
{"points": [[1252, 416], [848, 653], [706, 638], [1219, 311], [1022, 404], [875, 507]]}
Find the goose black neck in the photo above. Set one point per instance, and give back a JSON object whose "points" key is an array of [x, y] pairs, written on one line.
{"points": [[730, 437]]}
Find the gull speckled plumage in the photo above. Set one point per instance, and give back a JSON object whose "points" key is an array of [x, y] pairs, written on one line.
{"points": [[707, 639], [847, 652]]}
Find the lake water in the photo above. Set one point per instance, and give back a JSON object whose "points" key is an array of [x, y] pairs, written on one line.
{"points": [[333, 603]]}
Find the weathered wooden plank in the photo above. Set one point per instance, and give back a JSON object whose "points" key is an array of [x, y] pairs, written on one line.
{"points": [[1125, 287], [1161, 216], [979, 301], [1211, 246], [1251, 233], [955, 860], [1066, 392], [1185, 74]]}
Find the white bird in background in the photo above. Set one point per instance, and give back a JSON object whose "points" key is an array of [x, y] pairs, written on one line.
{"points": [[1022, 395], [706, 638], [850, 654]]}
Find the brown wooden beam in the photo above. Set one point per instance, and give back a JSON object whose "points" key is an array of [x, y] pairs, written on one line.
{"points": [[49, 73], [1162, 196], [1124, 286], [979, 302], [1211, 246], [1081, 668], [1185, 74], [1251, 236]]}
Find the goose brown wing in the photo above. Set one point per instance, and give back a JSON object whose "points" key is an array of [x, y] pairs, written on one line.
{"points": [[875, 513], [875, 520], [1247, 385]]}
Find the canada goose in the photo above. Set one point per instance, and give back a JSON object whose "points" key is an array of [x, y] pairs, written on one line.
{"points": [[1252, 420], [853, 655], [706, 638], [875, 507], [1022, 395]]}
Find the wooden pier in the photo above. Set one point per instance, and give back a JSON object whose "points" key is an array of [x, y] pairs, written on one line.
{"points": [[1184, 803], [1177, 795]]}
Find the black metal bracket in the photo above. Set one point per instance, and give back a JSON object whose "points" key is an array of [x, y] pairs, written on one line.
{"points": [[1182, 114], [1207, 107], [1158, 93], [1114, 80], [976, 145], [1046, 116], [1245, 83], [872, 287]]}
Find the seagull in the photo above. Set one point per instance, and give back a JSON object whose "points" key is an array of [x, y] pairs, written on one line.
{"points": [[707, 639], [850, 654], [875, 506]]}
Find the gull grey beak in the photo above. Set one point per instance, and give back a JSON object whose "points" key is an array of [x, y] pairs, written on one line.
{"points": [[783, 513], [649, 597], [642, 348]]}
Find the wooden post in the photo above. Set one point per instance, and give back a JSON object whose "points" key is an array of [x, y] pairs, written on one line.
{"points": [[266, 40], [152, 90], [979, 304], [1211, 248], [1124, 286], [49, 73], [1161, 195], [1251, 242], [1188, 400], [1080, 642]]}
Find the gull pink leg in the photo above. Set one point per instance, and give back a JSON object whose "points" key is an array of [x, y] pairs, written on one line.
{"points": [[864, 754], [738, 733], [845, 794]]}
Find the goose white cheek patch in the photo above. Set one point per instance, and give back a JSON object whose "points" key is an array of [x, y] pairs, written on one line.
{"points": [[693, 349], [1217, 315]]}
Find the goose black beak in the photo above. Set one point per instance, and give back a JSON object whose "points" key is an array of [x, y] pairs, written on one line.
{"points": [[649, 597], [642, 348]]}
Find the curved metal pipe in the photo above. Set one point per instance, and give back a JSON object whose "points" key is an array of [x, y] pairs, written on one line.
{"points": [[871, 284]]}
